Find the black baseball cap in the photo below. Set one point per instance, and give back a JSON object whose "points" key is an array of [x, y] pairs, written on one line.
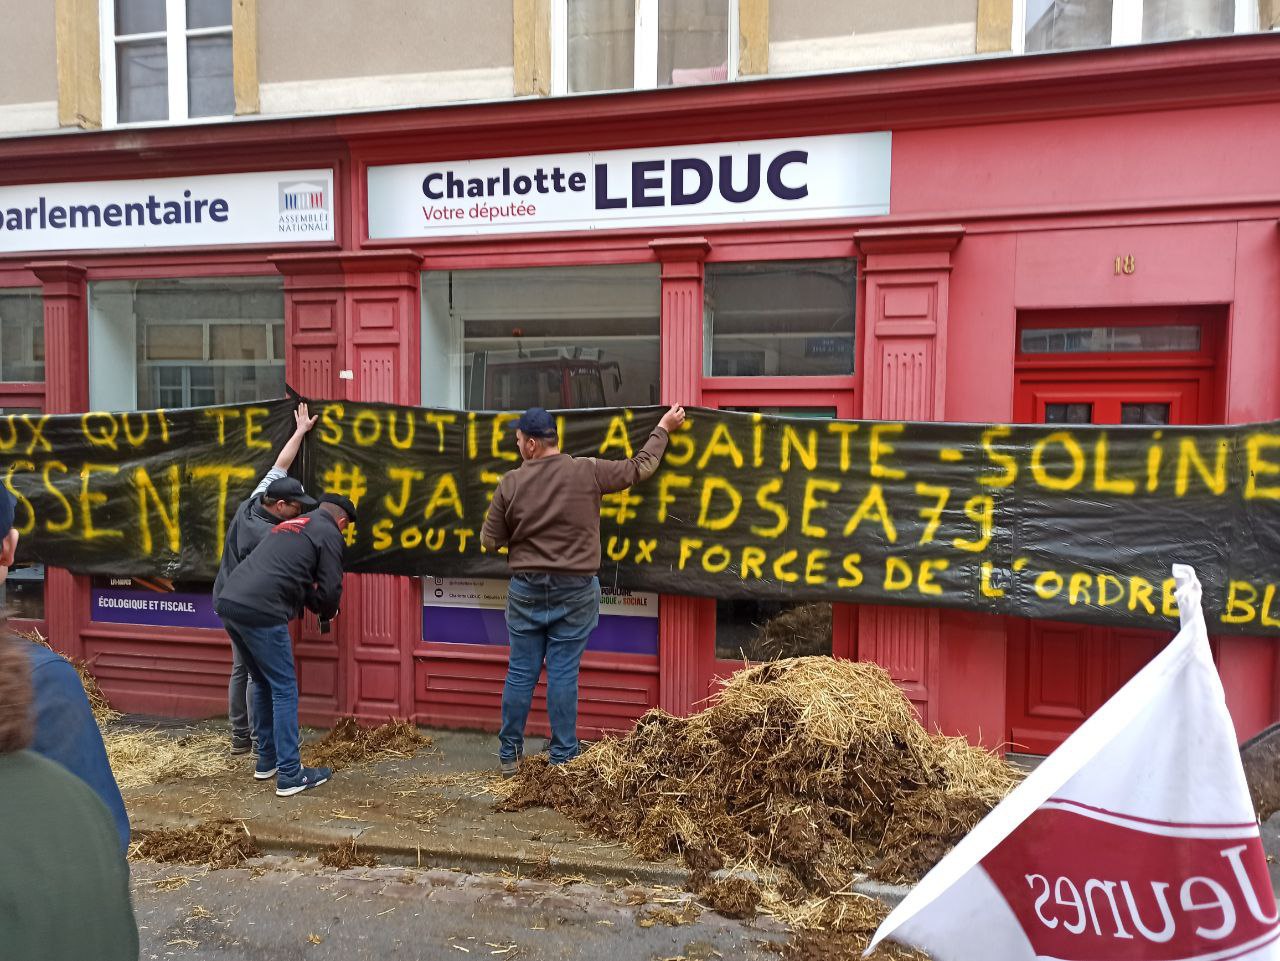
{"points": [[537, 422], [290, 489], [343, 502]]}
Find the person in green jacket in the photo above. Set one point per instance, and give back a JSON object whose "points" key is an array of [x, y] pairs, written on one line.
{"points": [[64, 888]]}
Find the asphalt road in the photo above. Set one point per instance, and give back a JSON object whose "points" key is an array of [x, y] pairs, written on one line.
{"points": [[295, 910]]}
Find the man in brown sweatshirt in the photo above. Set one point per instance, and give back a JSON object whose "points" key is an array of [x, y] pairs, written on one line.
{"points": [[546, 513]]}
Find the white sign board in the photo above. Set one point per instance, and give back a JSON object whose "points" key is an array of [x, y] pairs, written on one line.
{"points": [[842, 175], [491, 594], [272, 207]]}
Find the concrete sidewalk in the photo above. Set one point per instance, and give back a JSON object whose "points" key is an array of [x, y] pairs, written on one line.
{"points": [[432, 810]]}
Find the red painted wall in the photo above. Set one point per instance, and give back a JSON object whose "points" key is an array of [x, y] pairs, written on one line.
{"points": [[1044, 169]]}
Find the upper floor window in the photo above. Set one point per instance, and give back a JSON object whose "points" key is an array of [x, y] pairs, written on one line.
{"points": [[642, 44], [1073, 24], [166, 60]]}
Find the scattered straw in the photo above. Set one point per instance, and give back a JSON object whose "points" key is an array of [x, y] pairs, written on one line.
{"points": [[151, 757], [349, 743], [810, 771], [219, 842], [344, 855]]}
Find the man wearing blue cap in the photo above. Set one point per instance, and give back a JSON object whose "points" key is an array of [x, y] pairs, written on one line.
{"points": [[546, 513]]}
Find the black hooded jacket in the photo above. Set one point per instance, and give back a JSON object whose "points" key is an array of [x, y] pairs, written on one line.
{"points": [[297, 565]]}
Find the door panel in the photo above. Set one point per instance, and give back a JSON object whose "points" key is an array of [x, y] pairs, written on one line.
{"points": [[1060, 673]]}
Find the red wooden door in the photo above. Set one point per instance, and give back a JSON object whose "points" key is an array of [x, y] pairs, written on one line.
{"points": [[1061, 673]]}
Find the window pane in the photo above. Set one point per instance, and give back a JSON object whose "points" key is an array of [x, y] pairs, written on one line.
{"points": [[693, 42], [194, 341], [553, 337], [208, 13], [600, 46], [768, 630], [1067, 24], [22, 592], [142, 76], [1068, 413], [277, 341], [238, 341], [173, 342], [1144, 413], [1085, 340], [779, 319], [818, 413], [139, 16], [209, 87], [1184, 19], [21, 335]]}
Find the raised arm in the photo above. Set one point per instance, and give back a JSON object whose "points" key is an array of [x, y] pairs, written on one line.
{"points": [[289, 451], [617, 475]]}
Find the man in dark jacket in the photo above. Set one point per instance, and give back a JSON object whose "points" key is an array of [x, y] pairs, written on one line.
{"points": [[278, 497], [64, 888], [66, 732], [297, 565], [65, 729]]}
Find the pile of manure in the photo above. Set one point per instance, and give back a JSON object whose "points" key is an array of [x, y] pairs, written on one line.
{"points": [[811, 772]]}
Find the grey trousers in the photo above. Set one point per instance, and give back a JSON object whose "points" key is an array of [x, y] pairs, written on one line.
{"points": [[239, 696]]}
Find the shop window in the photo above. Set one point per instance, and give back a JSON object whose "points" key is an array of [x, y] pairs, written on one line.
{"points": [[166, 60], [761, 630], [185, 342], [21, 335], [182, 342], [22, 592], [1073, 24], [779, 319], [642, 44], [554, 337]]}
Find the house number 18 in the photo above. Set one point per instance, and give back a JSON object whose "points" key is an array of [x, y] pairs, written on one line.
{"points": [[1126, 265]]}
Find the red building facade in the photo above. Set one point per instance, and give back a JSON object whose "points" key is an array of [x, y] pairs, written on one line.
{"points": [[1082, 237]]}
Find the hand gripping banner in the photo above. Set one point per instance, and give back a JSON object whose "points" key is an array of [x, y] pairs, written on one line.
{"points": [[1070, 523]]}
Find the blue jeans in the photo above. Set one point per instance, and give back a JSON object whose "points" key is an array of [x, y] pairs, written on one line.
{"points": [[240, 694], [549, 618], [267, 653]]}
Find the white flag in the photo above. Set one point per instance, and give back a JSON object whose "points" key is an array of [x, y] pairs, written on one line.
{"points": [[1136, 839]]}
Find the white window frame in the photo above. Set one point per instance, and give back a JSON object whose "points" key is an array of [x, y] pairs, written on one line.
{"points": [[1126, 22], [175, 36], [645, 76]]}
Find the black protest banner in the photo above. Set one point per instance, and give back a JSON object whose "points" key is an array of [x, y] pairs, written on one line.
{"points": [[1077, 523], [145, 493]]}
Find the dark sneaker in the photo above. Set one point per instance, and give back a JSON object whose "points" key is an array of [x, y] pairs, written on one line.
{"points": [[241, 747], [511, 768], [307, 778], [264, 773]]}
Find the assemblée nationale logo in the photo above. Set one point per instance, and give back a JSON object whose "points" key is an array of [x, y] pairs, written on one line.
{"points": [[304, 207], [1088, 884]]}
